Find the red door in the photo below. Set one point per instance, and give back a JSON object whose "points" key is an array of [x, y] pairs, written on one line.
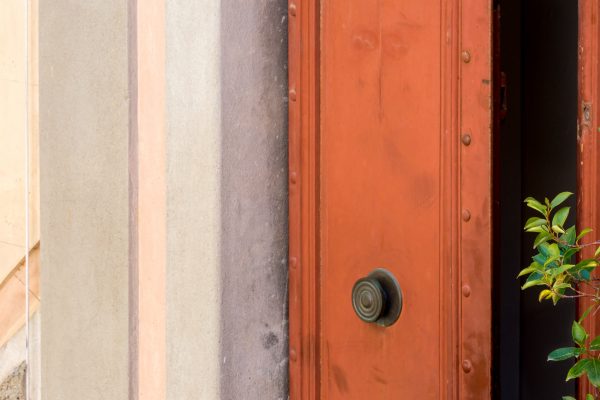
{"points": [[588, 196], [390, 171]]}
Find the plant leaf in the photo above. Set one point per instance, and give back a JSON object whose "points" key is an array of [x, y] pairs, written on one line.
{"points": [[569, 253], [560, 198], [579, 334], [568, 398], [583, 233], [578, 369], [540, 258], [588, 263], [536, 205], [569, 236], [595, 345], [544, 249], [555, 298], [527, 270], [564, 353], [537, 229], [534, 222], [533, 282], [593, 372], [544, 294], [586, 313], [553, 250], [585, 275], [550, 260], [563, 268], [562, 286], [561, 216], [541, 238]]}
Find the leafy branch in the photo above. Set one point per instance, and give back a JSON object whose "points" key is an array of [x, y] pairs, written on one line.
{"points": [[559, 277]]}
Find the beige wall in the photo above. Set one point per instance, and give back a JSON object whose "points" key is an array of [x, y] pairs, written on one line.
{"points": [[84, 159], [164, 199], [194, 223], [13, 115], [15, 64]]}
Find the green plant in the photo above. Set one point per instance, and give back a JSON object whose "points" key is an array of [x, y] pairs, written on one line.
{"points": [[555, 270]]}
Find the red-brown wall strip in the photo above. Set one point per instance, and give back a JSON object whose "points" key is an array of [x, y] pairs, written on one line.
{"points": [[587, 141], [475, 203]]}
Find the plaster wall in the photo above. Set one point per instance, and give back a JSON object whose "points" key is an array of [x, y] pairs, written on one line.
{"points": [[253, 199], [14, 66], [227, 199], [225, 185], [194, 146], [84, 131]]}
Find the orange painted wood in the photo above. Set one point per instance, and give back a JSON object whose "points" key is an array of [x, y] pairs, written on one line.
{"points": [[588, 144], [476, 193], [303, 50], [381, 94]]}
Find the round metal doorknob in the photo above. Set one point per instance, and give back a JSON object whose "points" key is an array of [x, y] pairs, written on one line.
{"points": [[377, 298], [368, 299]]}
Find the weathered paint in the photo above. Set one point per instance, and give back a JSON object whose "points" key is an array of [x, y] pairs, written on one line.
{"points": [[383, 165]]}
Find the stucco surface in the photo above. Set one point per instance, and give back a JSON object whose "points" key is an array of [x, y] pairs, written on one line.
{"points": [[226, 200], [84, 116], [13, 117], [193, 141], [254, 199]]}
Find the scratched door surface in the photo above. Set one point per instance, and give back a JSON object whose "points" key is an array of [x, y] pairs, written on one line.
{"points": [[405, 178]]}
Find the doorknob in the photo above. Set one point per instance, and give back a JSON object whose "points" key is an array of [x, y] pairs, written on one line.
{"points": [[377, 298]]}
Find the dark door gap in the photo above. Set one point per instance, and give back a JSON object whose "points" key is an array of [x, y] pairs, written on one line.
{"points": [[534, 155]]}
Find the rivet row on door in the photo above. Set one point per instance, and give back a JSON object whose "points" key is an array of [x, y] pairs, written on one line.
{"points": [[475, 177]]}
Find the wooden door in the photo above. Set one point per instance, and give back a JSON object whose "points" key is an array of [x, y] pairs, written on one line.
{"points": [[390, 167], [588, 196]]}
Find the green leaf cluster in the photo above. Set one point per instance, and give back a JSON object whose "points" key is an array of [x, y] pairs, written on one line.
{"points": [[585, 352], [557, 271], [557, 245]]}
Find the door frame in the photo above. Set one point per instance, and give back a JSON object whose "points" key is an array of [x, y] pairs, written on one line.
{"points": [[303, 134], [588, 145], [465, 189]]}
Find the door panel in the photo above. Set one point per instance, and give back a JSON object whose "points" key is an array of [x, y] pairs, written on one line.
{"points": [[380, 193], [390, 167]]}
